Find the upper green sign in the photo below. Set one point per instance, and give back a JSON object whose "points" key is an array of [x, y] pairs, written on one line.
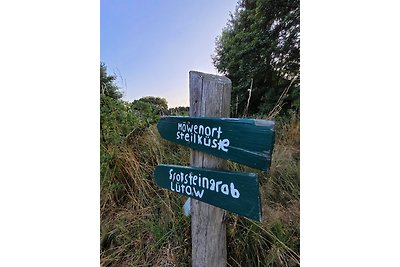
{"points": [[245, 141], [234, 191]]}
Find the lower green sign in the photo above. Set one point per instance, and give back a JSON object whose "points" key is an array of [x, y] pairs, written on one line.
{"points": [[237, 192]]}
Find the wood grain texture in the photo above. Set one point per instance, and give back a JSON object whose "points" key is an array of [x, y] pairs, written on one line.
{"points": [[209, 97]]}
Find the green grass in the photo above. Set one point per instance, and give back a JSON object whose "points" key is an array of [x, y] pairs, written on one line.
{"points": [[144, 225]]}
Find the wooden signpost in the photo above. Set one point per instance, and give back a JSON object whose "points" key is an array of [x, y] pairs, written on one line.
{"points": [[246, 141], [213, 137], [237, 192]]}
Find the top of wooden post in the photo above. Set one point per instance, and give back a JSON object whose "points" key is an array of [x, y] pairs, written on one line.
{"points": [[210, 95], [210, 77]]}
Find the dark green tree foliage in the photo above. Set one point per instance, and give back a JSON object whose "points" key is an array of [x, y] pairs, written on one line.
{"points": [[260, 46], [108, 86]]}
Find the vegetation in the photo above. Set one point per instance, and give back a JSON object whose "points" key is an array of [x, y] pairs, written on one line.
{"points": [[259, 50], [144, 225], [178, 111], [107, 84]]}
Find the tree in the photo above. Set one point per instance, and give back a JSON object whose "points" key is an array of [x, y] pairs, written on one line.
{"points": [[259, 50], [108, 84], [160, 103]]}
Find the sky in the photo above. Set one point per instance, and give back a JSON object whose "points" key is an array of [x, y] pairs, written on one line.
{"points": [[152, 45]]}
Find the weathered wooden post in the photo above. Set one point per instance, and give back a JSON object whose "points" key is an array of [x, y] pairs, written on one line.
{"points": [[210, 96]]}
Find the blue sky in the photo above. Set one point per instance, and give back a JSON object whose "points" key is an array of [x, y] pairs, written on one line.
{"points": [[152, 45]]}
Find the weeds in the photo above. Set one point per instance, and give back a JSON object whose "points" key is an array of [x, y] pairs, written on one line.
{"points": [[144, 225]]}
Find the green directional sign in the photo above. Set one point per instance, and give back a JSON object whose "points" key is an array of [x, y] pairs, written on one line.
{"points": [[237, 192], [245, 141]]}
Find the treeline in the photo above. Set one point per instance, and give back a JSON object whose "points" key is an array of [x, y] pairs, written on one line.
{"points": [[259, 50]]}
